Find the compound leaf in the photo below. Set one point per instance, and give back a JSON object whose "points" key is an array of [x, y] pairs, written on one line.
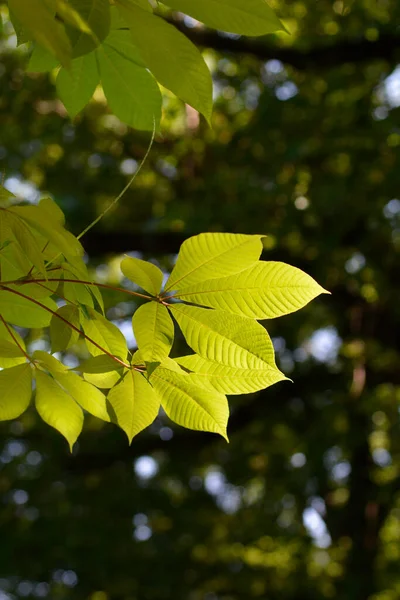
{"points": [[134, 404], [264, 291], [189, 405], [41, 60], [213, 255], [15, 391], [104, 333], [154, 331], [11, 356], [228, 339], [25, 312], [144, 274], [57, 408], [245, 17], [85, 394], [95, 18]]}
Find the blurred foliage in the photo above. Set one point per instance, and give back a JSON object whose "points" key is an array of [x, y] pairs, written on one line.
{"points": [[304, 502]]}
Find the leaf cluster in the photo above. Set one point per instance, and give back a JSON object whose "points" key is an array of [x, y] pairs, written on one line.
{"points": [[130, 50], [215, 294]]}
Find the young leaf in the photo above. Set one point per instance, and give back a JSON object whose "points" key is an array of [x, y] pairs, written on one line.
{"points": [[41, 60], [134, 403], [10, 358], [104, 333], [189, 405], [246, 17], [28, 243], [61, 334], [77, 85], [154, 331], [24, 312], [144, 274], [86, 395], [57, 408], [229, 380], [213, 255], [15, 391], [102, 371], [37, 19], [264, 291], [175, 62], [228, 339], [49, 362], [95, 15], [131, 91]]}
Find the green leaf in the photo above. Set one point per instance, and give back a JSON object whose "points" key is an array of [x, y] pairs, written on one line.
{"points": [[264, 291], [134, 404], [8, 335], [189, 405], [86, 395], [61, 334], [52, 209], [174, 61], [41, 60], [102, 371], [131, 91], [36, 18], [9, 349], [50, 229], [104, 333], [146, 275], [95, 14], [15, 391], [154, 331], [77, 85], [121, 42], [28, 243], [213, 255], [229, 380], [25, 312], [246, 17], [224, 338], [57, 408]]}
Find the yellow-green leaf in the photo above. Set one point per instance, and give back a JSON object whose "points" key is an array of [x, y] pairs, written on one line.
{"points": [[41, 60], [229, 380], [228, 339], [104, 333], [49, 362], [102, 371], [264, 291], [76, 86], [26, 312], [213, 255], [134, 404], [154, 331], [57, 408], [91, 22], [10, 358], [86, 395], [189, 405], [15, 391], [144, 274]]}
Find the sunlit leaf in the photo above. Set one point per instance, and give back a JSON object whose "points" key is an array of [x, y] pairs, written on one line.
{"points": [[144, 274], [154, 331], [86, 395], [13, 357], [213, 255], [15, 391], [57, 408], [76, 86], [61, 334], [104, 333], [95, 14], [26, 312], [134, 404], [264, 291]]}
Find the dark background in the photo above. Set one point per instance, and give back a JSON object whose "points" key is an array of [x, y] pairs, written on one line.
{"points": [[303, 504]]}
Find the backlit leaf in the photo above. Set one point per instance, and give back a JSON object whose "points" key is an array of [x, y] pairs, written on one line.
{"points": [[175, 62], [104, 333], [96, 15], [213, 255], [144, 274], [8, 335], [228, 339], [26, 312], [134, 404], [189, 405], [154, 331], [41, 60], [86, 395], [229, 380], [57, 408], [15, 391], [264, 291]]}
